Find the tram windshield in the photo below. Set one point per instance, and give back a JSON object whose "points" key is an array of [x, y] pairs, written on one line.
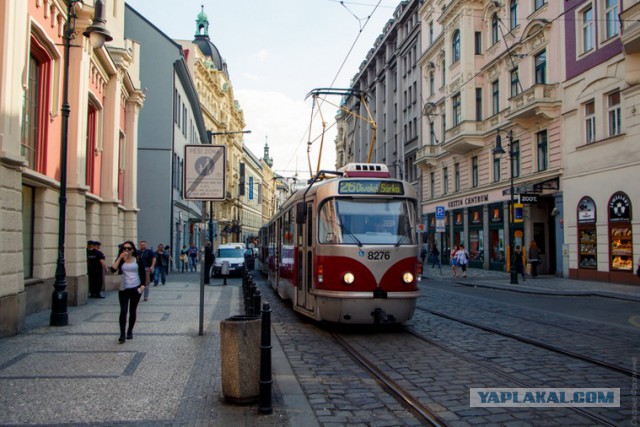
{"points": [[367, 222]]}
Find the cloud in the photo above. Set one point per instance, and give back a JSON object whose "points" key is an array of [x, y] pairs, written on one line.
{"points": [[285, 122]]}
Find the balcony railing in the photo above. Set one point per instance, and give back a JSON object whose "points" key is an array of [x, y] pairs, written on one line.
{"points": [[540, 101], [427, 156], [465, 137]]}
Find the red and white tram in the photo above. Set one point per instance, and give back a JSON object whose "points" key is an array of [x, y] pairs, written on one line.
{"points": [[345, 249]]}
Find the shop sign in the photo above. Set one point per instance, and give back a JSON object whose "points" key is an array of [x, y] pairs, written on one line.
{"points": [[458, 219], [619, 208], [468, 201], [496, 213], [529, 199], [586, 211]]}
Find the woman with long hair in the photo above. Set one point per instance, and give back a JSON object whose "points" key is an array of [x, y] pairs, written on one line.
{"points": [[131, 268]]}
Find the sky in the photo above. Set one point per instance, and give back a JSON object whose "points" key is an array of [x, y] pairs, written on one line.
{"points": [[277, 51]]}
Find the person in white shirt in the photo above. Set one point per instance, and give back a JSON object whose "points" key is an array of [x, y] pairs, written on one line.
{"points": [[463, 259], [131, 268]]}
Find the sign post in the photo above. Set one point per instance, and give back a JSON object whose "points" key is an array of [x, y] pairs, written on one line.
{"points": [[204, 179]]}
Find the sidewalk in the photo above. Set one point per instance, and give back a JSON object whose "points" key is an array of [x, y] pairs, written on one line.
{"points": [[543, 285], [166, 375]]}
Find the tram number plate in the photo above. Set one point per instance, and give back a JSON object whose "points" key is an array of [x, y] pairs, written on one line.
{"points": [[378, 255]]}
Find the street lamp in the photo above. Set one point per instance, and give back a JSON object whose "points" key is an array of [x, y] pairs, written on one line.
{"points": [[499, 152], [210, 135], [97, 34]]}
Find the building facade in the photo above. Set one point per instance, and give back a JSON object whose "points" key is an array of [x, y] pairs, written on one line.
{"points": [[492, 69], [601, 134], [171, 120], [104, 99], [391, 79]]}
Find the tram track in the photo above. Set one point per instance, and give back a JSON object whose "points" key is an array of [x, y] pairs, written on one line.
{"points": [[534, 342], [497, 371], [420, 411]]}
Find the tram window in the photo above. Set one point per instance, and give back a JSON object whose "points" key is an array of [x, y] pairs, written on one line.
{"points": [[366, 221]]}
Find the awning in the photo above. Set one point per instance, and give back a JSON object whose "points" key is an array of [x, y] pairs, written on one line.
{"points": [[535, 187]]}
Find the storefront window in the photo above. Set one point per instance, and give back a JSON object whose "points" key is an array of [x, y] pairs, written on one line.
{"points": [[621, 247], [587, 236], [497, 245], [476, 245]]}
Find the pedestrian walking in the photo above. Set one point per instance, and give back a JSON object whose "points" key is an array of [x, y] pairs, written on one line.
{"points": [[462, 257], [193, 258], [184, 259], [149, 261], [130, 267], [534, 258], [96, 267], [454, 260], [435, 257], [519, 262], [161, 269]]}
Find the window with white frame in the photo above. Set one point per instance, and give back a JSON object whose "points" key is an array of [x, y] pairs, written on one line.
{"points": [[588, 30], [431, 84], [611, 18], [590, 121], [456, 177], [537, 4], [445, 181], [432, 185], [613, 103]]}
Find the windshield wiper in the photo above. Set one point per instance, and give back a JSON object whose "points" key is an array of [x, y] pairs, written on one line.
{"points": [[401, 239], [349, 233]]}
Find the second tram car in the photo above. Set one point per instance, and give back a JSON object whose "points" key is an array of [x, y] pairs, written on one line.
{"points": [[345, 249]]}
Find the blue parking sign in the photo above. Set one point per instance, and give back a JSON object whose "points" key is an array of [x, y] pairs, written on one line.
{"points": [[440, 212]]}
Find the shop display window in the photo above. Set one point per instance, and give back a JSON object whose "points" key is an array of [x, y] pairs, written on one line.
{"points": [[476, 245], [621, 245], [587, 236], [497, 245]]}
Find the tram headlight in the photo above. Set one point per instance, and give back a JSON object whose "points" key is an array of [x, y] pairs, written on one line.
{"points": [[407, 278], [348, 278]]}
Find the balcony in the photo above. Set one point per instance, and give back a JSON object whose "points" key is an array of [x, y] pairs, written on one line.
{"points": [[427, 156], [631, 30], [538, 103], [465, 137]]}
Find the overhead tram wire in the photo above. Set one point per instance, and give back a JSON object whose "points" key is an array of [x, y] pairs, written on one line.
{"points": [[336, 77]]}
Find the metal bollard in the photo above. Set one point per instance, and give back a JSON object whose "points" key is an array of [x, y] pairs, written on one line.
{"points": [[266, 381], [256, 302]]}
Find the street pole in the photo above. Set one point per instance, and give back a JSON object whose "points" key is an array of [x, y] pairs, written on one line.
{"points": [[98, 35], [499, 151]]}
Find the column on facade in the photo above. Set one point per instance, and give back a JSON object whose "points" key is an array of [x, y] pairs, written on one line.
{"points": [[13, 45], [109, 218], [132, 111]]}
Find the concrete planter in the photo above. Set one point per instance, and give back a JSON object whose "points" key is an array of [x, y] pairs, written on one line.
{"points": [[240, 356]]}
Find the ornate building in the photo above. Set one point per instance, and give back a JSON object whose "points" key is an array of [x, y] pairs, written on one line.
{"points": [[492, 68], [223, 118], [104, 99]]}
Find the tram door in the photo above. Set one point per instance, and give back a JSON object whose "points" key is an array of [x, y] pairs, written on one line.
{"points": [[305, 261]]}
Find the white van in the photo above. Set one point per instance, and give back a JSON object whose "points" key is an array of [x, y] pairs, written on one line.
{"points": [[233, 253]]}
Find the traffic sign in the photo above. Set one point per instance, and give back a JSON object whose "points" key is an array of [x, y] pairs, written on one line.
{"points": [[440, 211], [204, 172]]}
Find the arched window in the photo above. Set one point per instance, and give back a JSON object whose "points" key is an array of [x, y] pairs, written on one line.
{"points": [[494, 29], [455, 46], [513, 14]]}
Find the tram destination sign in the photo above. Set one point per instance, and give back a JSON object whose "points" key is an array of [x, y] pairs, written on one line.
{"points": [[371, 187]]}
